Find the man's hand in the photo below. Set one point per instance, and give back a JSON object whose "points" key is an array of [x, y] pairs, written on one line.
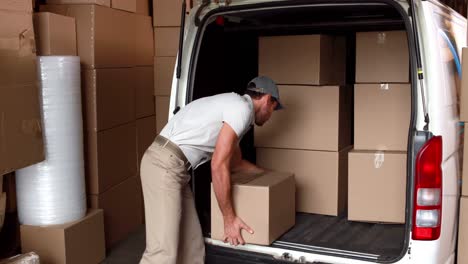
{"points": [[232, 231]]}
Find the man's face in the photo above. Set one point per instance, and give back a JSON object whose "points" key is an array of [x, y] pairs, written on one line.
{"points": [[267, 107]]}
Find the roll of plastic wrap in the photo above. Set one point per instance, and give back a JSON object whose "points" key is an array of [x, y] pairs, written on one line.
{"points": [[53, 191]]}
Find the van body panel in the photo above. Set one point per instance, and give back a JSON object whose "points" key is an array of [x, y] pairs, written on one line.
{"points": [[442, 97]]}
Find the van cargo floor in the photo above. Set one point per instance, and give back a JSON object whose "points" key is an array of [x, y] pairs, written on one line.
{"points": [[317, 232]]}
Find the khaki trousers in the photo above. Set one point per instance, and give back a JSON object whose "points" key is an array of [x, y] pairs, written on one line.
{"points": [[173, 232]]}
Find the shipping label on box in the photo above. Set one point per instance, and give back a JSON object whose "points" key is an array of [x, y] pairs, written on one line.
{"points": [[264, 202], [376, 179]]}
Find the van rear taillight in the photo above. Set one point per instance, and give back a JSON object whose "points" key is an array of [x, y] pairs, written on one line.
{"points": [[428, 191]]}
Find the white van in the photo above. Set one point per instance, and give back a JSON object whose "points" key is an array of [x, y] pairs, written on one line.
{"points": [[218, 53]]}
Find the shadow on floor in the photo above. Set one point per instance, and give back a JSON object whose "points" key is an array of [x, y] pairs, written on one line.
{"points": [[128, 251]]}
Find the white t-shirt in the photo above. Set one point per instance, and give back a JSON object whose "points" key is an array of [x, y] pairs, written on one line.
{"points": [[195, 128]]}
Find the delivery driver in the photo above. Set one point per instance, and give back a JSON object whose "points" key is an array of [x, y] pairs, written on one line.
{"points": [[206, 129]]}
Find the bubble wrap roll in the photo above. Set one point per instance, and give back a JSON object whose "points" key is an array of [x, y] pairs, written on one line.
{"points": [[53, 192]]}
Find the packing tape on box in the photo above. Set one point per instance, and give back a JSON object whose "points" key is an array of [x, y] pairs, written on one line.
{"points": [[381, 37], [379, 159], [53, 191], [384, 86]]}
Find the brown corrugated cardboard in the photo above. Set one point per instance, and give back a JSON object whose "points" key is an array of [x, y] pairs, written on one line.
{"points": [[108, 97], [16, 5], [166, 41], [381, 116], [110, 157], [122, 210], [55, 34], [96, 2], [166, 13], [144, 41], [316, 59], [464, 87], [142, 7], [321, 177], [463, 231], [1, 183], [126, 5], [465, 164], [99, 44], [3, 198], [145, 101], [317, 118], [163, 73], [377, 186], [146, 132], [77, 242], [266, 203], [20, 123], [382, 57], [162, 112]]}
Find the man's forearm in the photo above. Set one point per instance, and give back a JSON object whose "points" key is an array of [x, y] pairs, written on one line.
{"points": [[246, 166], [222, 188]]}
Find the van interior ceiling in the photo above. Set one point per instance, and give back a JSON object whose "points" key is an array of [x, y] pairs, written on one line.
{"points": [[228, 58]]}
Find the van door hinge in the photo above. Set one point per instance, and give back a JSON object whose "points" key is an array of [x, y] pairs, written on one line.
{"points": [[223, 2]]}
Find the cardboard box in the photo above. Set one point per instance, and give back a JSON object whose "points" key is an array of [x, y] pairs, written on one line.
{"points": [[464, 87], [382, 57], [142, 7], [55, 34], [315, 59], [317, 118], [3, 198], [166, 41], [382, 116], [110, 157], [463, 231], [145, 100], [96, 2], [81, 241], [99, 44], [16, 5], [163, 74], [465, 164], [108, 97], [144, 41], [321, 177], [162, 112], [21, 136], [167, 13], [264, 202], [126, 5], [377, 186], [122, 210], [146, 133]]}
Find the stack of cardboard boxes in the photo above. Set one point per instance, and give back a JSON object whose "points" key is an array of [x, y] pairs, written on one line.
{"points": [[166, 22], [463, 220], [115, 45], [21, 136], [313, 136], [382, 110]]}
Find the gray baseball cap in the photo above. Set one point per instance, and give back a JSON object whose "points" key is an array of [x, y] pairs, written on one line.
{"points": [[265, 85]]}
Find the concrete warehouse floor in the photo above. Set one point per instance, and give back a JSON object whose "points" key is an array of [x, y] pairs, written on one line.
{"points": [[128, 251]]}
